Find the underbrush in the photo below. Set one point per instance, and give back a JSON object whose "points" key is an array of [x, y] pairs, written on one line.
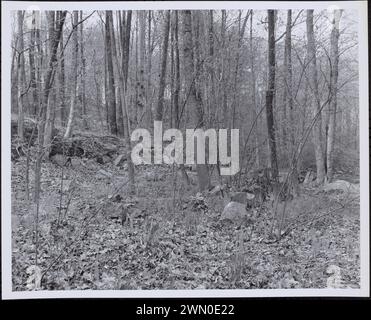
{"points": [[94, 235]]}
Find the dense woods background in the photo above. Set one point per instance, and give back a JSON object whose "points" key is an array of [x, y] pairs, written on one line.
{"points": [[83, 81]]}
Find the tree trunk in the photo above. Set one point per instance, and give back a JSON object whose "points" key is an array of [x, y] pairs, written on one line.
{"points": [[194, 104], [50, 113], [253, 95], [141, 84], [119, 113], [161, 90], [110, 76], [48, 84], [83, 76], [316, 106], [289, 104], [123, 95], [270, 95], [62, 84], [149, 116], [125, 48], [224, 80], [74, 88], [20, 78], [334, 55], [32, 59]]}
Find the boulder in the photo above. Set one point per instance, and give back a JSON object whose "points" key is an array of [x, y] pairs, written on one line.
{"points": [[234, 211]]}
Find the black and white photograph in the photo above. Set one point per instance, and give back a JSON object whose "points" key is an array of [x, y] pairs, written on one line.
{"points": [[174, 149]]}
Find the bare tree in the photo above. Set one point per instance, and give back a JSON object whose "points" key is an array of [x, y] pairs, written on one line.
{"points": [[83, 75], [270, 94], [334, 56], [75, 83], [194, 104], [253, 93], [316, 104], [161, 90], [110, 75], [20, 75], [141, 84]]}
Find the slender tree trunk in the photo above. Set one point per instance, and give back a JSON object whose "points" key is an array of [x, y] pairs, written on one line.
{"points": [[32, 59], [212, 97], [83, 76], [316, 105], [289, 106], [125, 63], [161, 90], [110, 75], [50, 113], [119, 113], [149, 71], [270, 95], [75, 83], [141, 84], [62, 85], [98, 96], [334, 55], [224, 80], [20, 79], [253, 95], [177, 71]]}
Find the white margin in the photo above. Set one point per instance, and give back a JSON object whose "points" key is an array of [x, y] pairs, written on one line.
{"points": [[7, 292]]}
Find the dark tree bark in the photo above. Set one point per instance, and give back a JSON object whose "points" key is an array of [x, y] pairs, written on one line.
{"points": [[50, 112], [119, 113], [161, 90], [194, 106], [33, 61], [270, 95], [141, 84]]}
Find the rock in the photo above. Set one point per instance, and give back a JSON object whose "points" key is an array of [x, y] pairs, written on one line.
{"points": [[342, 185], [242, 197], [234, 211], [120, 160]]}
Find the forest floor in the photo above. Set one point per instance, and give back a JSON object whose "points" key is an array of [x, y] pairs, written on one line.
{"points": [[172, 237]]}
